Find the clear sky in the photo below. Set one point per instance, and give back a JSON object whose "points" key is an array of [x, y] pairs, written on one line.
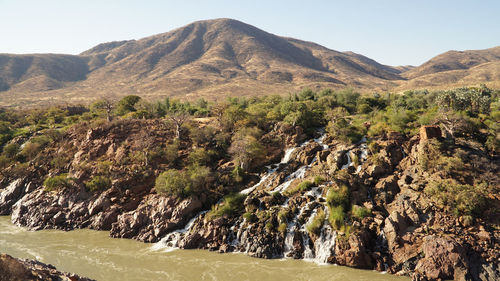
{"points": [[393, 32]]}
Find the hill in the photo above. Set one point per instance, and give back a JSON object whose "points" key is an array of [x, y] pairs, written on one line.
{"points": [[220, 57]]}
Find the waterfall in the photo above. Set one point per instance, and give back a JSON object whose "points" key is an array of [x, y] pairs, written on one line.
{"points": [[171, 241], [298, 174], [270, 172], [288, 154], [349, 161], [325, 243]]}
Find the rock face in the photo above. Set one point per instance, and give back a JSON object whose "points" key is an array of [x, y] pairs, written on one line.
{"points": [[155, 217], [430, 132], [12, 269], [442, 259], [398, 229], [10, 195]]}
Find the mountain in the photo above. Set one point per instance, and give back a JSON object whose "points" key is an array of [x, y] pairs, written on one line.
{"points": [[210, 59], [456, 68]]}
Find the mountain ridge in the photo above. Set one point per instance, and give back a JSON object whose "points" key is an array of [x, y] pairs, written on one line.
{"points": [[209, 58]]}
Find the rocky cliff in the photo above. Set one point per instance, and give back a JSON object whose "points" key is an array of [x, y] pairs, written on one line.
{"points": [[367, 205]]}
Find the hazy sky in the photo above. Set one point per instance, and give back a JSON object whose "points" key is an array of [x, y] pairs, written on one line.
{"points": [[394, 32]]}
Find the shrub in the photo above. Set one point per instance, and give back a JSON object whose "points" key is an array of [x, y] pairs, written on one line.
{"points": [[336, 217], [172, 152], [318, 180], [203, 135], [250, 217], [200, 156], [172, 182], [199, 178], [11, 150], [56, 182], [317, 222], [338, 197], [59, 161], [282, 215], [98, 183], [232, 205], [269, 226], [360, 212], [31, 149], [282, 227], [460, 199], [301, 187]]}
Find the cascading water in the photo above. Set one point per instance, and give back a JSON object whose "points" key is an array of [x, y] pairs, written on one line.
{"points": [[171, 241], [325, 243]]}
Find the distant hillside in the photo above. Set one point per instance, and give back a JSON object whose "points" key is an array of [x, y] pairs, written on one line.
{"points": [[211, 59], [457, 68]]}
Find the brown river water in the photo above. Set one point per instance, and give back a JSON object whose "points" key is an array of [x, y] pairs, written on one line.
{"points": [[94, 254]]}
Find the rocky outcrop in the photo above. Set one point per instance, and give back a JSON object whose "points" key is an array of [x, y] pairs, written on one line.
{"points": [[430, 132], [443, 259], [10, 195], [13, 269], [155, 217]]}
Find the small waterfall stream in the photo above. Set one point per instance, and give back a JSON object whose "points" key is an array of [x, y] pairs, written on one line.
{"points": [[171, 241]]}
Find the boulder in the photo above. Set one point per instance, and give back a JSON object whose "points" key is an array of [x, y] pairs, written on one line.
{"points": [[443, 258], [10, 195], [13, 269], [430, 132]]}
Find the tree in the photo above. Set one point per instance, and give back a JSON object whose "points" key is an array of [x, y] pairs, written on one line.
{"points": [[127, 104], [103, 105], [179, 118], [246, 149]]}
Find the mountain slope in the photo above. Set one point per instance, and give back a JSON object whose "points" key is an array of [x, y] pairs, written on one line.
{"points": [[205, 58], [221, 57]]}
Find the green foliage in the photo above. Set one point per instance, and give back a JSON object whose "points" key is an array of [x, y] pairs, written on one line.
{"points": [[282, 228], [336, 217], [11, 150], [202, 136], [360, 212], [250, 217], [246, 148], [301, 187], [283, 214], [172, 182], [317, 222], [338, 197], [318, 180], [172, 152], [460, 199], [127, 104], [56, 183], [232, 205], [200, 156], [194, 180], [98, 183]]}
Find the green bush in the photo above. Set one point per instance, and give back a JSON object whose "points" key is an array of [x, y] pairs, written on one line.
{"points": [[460, 199], [336, 217], [56, 182], [11, 150], [360, 212], [338, 197], [282, 228], [318, 180], [98, 183], [283, 215], [301, 187], [317, 222], [232, 205], [250, 217], [172, 182]]}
